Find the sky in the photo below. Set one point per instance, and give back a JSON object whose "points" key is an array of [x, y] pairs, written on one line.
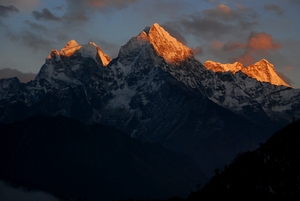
{"points": [[223, 31]]}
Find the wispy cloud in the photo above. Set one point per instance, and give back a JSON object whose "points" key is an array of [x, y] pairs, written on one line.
{"points": [[102, 4], [35, 36], [45, 15], [197, 50], [218, 21], [274, 8], [80, 10], [22, 5], [257, 44], [5, 11]]}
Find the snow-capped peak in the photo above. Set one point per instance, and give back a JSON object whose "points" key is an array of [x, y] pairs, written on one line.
{"points": [[104, 58], [262, 70], [90, 50], [218, 67], [71, 47], [165, 45]]}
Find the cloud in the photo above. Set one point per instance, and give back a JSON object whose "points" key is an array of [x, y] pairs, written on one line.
{"points": [[217, 44], [80, 10], [36, 27], [5, 11], [233, 46], [294, 2], [110, 3], [22, 5], [219, 21], [35, 36], [257, 44], [45, 15], [197, 51], [288, 68], [274, 8], [262, 41]]}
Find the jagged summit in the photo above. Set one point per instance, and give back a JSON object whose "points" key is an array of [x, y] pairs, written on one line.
{"points": [[70, 48], [165, 45], [262, 70], [219, 67], [90, 50]]}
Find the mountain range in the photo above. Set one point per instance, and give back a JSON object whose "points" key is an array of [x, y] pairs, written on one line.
{"points": [[157, 92], [262, 71]]}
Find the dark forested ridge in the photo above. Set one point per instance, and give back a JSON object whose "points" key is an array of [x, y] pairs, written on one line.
{"points": [[272, 170], [68, 159]]}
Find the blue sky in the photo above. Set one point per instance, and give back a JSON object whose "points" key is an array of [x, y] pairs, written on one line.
{"points": [[222, 31]]}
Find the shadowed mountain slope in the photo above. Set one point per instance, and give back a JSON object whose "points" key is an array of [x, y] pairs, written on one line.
{"points": [[68, 159]]}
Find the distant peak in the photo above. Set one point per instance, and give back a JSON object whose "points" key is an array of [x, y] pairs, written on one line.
{"points": [[219, 67], [165, 45], [262, 70]]}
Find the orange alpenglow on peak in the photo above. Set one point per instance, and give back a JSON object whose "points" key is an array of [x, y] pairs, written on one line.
{"points": [[262, 71], [104, 58], [87, 50], [70, 48], [165, 45]]}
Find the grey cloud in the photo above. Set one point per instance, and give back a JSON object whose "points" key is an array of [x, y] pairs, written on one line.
{"points": [[197, 51], [233, 45], [76, 11], [219, 21], [6, 10], [295, 2], [80, 10], [45, 15], [101, 4], [225, 13], [275, 8], [37, 27], [36, 41], [204, 26], [32, 38]]}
